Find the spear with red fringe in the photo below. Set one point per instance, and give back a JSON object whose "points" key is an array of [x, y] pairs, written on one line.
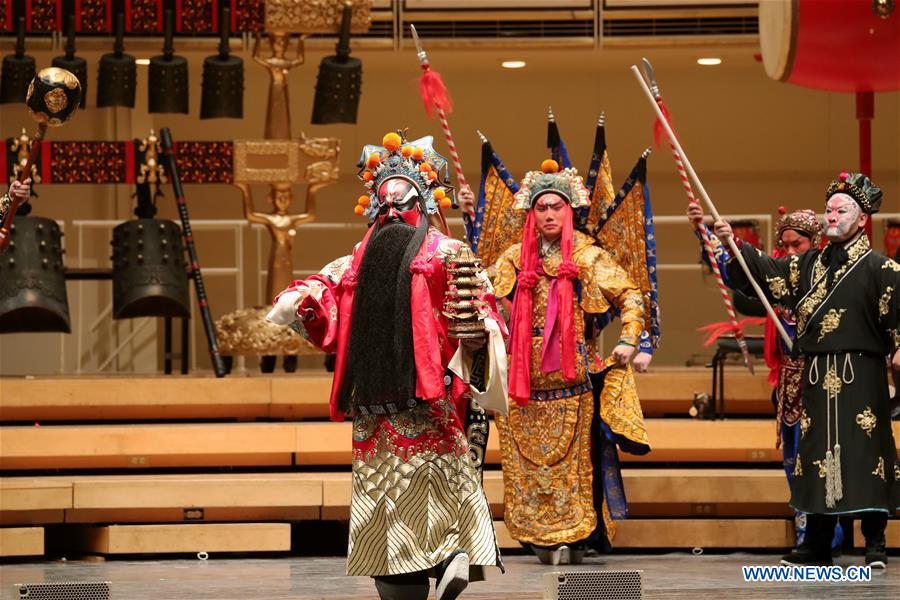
{"points": [[437, 101], [663, 126], [705, 234]]}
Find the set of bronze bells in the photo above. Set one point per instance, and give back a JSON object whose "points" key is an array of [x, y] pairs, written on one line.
{"points": [[168, 88], [148, 271], [338, 85]]}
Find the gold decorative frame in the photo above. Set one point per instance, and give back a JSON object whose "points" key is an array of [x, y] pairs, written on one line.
{"points": [[285, 152], [315, 16]]}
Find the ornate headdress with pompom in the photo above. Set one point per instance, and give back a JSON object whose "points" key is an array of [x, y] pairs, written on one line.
{"points": [[415, 162], [860, 188], [566, 182], [805, 221]]}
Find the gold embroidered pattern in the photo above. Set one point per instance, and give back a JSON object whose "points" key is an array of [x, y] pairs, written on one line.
{"points": [[503, 272], [892, 265], [548, 497], [884, 302], [798, 468], [879, 470], [808, 306], [866, 421], [823, 468], [620, 407], [832, 383], [777, 287], [502, 225], [896, 472], [794, 267], [805, 422], [830, 322], [789, 393]]}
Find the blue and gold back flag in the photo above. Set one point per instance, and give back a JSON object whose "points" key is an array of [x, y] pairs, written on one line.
{"points": [[625, 230], [497, 224], [555, 142], [599, 183]]}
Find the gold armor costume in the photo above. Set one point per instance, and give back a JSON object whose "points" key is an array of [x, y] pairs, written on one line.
{"points": [[546, 444]]}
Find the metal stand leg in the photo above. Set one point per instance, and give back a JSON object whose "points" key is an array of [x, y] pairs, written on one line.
{"points": [[721, 404], [185, 345], [167, 345], [714, 396]]}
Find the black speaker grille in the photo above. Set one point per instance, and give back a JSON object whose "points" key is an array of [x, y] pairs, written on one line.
{"points": [[66, 590]]}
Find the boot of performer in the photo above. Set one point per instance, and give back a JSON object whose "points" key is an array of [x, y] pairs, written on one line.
{"points": [[412, 586], [452, 576], [873, 526], [816, 547]]}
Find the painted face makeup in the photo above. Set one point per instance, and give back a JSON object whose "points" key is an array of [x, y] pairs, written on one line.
{"points": [[398, 193], [549, 212], [842, 215]]}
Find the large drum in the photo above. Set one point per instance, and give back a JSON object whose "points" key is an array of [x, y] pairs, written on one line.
{"points": [[834, 45]]}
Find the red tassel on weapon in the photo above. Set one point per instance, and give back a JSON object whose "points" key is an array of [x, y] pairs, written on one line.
{"points": [[716, 330], [437, 100], [434, 93], [659, 132]]}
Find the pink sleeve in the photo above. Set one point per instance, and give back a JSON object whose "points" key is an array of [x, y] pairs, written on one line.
{"points": [[318, 312]]}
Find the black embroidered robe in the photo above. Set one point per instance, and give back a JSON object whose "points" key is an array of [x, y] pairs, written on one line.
{"points": [[846, 299]]}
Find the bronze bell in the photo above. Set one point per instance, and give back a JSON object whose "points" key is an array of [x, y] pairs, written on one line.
{"points": [[117, 75], [74, 64], [168, 88], [18, 71], [339, 82], [149, 276], [32, 278], [223, 78]]}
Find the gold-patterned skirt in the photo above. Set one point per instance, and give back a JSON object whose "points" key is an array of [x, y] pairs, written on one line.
{"points": [[547, 470], [416, 495]]}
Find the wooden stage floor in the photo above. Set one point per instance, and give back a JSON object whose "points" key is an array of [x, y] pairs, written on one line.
{"points": [[676, 576]]}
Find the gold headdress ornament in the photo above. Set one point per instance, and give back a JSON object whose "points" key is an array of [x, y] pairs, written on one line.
{"points": [[566, 182]]}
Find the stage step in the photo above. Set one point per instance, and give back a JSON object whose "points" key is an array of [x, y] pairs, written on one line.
{"points": [[687, 534], [217, 497], [190, 538], [21, 541], [320, 443], [664, 391], [146, 446]]}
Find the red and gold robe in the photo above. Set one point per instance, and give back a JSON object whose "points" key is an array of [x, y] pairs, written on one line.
{"points": [[417, 494]]}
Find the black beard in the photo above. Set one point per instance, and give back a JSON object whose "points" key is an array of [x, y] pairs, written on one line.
{"points": [[376, 366]]}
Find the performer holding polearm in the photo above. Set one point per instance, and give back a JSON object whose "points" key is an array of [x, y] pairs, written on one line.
{"points": [[846, 299]]}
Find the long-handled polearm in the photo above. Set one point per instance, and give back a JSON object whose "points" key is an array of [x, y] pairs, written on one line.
{"points": [[685, 168], [172, 168], [701, 228], [437, 101]]}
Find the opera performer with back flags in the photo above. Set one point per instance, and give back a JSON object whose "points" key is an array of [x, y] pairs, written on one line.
{"points": [[551, 442], [420, 356]]}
